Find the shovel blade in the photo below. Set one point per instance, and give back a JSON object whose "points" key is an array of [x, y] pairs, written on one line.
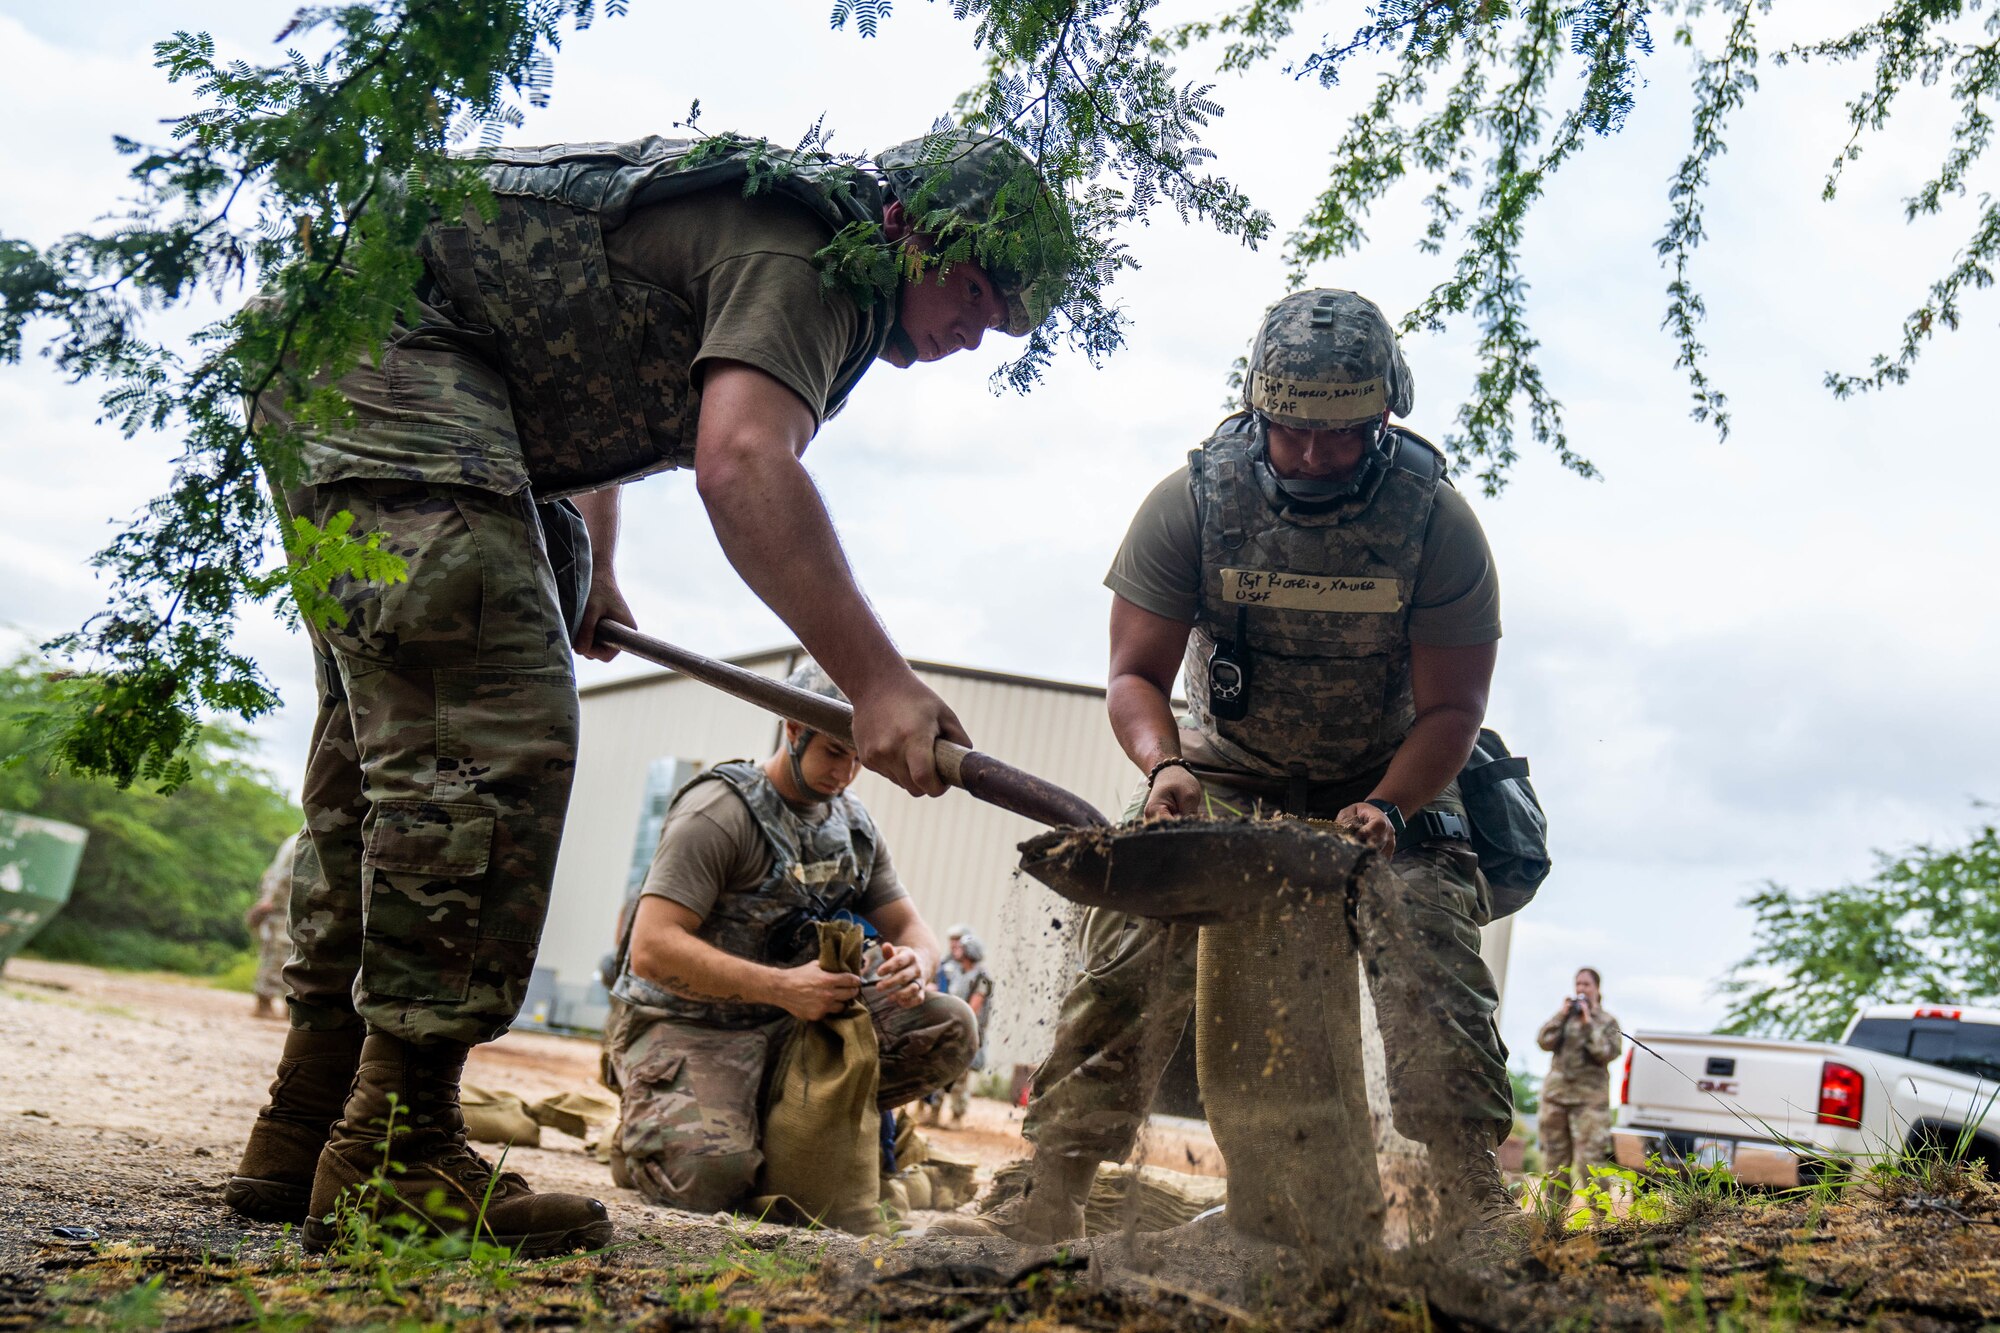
{"points": [[1191, 871]]}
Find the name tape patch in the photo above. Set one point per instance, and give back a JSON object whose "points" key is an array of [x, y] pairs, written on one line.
{"points": [[1286, 591], [1317, 400]]}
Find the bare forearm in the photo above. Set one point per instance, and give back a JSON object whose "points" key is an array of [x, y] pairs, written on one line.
{"points": [[1142, 717], [1429, 758], [775, 530], [600, 517], [692, 967]]}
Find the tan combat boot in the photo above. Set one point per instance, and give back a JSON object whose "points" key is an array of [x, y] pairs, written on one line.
{"points": [[273, 1182], [1480, 1216], [1048, 1211], [426, 1171]]}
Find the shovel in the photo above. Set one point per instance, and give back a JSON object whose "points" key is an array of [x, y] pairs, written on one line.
{"points": [[1192, 871], [1196, 872], [981, 775]]}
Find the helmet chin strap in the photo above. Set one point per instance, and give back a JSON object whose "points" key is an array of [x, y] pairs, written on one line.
{"points": [[795, 752], [1311, 492]]}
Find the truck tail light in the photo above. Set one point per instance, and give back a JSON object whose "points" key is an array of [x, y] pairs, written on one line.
{"points": [[1840, 1088], [1625, 1079]]}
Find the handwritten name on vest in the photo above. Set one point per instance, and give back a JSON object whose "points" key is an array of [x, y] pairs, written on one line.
{"points": [[1286, 591]]}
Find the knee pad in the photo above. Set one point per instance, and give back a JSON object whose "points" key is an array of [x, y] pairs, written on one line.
{"points": [[699, 1184]]}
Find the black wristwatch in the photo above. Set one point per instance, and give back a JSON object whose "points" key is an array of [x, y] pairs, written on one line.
{"points": [[1396, 824]]}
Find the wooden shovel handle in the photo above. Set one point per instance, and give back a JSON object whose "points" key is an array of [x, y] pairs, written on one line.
{"points": [[980, 775]]}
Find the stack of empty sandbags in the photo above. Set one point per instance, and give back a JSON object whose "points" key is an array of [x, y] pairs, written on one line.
{"points": [[1143, 1198], [506, 1118], [927, 1176]]}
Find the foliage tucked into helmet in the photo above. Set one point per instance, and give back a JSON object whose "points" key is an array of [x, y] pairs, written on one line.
{"points": [[982, 199], [1327, 359]]}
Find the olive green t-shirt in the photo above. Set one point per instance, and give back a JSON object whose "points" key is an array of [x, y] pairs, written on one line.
{"points": [[711, 846], [745, 267], [1456, 602]]}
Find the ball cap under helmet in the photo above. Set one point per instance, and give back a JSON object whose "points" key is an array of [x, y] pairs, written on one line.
{"points": [[983, 179], [1327, 359]]}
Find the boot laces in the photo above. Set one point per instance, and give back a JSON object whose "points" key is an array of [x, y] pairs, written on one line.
{"points": [[470, 1167]]}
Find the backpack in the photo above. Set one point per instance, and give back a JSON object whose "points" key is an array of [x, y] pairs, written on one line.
{"points": [[1510, 834]]}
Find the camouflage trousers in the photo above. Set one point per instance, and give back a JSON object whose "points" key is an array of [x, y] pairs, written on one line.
{"points": [[274, 946], [439, 771], [1435, 1002], [1574, 1139], [691, 1097]]}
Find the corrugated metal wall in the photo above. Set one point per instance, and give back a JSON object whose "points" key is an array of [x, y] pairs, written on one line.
{"points": [[955, 854], [626, 726]]}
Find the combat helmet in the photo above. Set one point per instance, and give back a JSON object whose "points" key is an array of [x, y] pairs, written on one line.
{"points": [[958, 178], [1327, 359], [808, 675]]}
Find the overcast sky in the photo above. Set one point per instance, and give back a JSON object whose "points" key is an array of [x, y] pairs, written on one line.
{"points": [[1728, 662]]}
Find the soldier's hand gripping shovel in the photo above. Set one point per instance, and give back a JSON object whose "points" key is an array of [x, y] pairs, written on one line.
{"points": [[979, 774], [1186, 870]]}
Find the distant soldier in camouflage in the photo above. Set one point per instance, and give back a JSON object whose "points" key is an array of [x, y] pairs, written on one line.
{"points": [[628, 308], [964, 974], [1582, 1038], [1351, 689], [721, 961], [269, 921]]}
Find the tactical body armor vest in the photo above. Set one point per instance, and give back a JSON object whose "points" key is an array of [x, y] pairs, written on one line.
{"points": [[599, 371], [817, 869], [1316, 598]]}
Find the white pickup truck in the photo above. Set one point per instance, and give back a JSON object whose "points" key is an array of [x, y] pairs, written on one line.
{"points": [[1779, 1112]]}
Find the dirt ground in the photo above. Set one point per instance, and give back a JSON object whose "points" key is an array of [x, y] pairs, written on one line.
{"points": [[124, 1100]]}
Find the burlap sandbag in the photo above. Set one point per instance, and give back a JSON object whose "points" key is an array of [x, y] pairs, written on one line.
{"points": [[916, 1187], [580, 1115], [1125, 1198], [822, 1130], [951, 1177], [1278, 1050], [498, 1117], [912, 1148]]}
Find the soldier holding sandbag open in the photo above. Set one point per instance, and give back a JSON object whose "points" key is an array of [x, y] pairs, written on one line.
{"points": [[1336, 607]]}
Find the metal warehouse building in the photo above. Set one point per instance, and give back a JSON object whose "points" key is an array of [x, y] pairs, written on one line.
{"points": [[645, 736]]}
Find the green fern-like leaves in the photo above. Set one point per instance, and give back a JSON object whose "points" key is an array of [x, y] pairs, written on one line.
{"points": [[867, 15], [310, 178]]}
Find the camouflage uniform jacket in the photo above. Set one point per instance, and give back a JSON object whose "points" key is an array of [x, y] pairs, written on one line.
{"points": [[1578, 1072], [1316, 598], [817, 869], [965, 980], [599, 372]]}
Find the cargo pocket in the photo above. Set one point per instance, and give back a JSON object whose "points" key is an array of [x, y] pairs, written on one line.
{"points": [[423, 866]]}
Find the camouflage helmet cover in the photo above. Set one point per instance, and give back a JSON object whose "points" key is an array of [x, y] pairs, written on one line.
{"points": [[1325, 359], [984, 179], [808, 675]]}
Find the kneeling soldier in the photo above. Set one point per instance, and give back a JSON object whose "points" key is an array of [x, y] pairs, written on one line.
{"points": [[720, 961]]}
